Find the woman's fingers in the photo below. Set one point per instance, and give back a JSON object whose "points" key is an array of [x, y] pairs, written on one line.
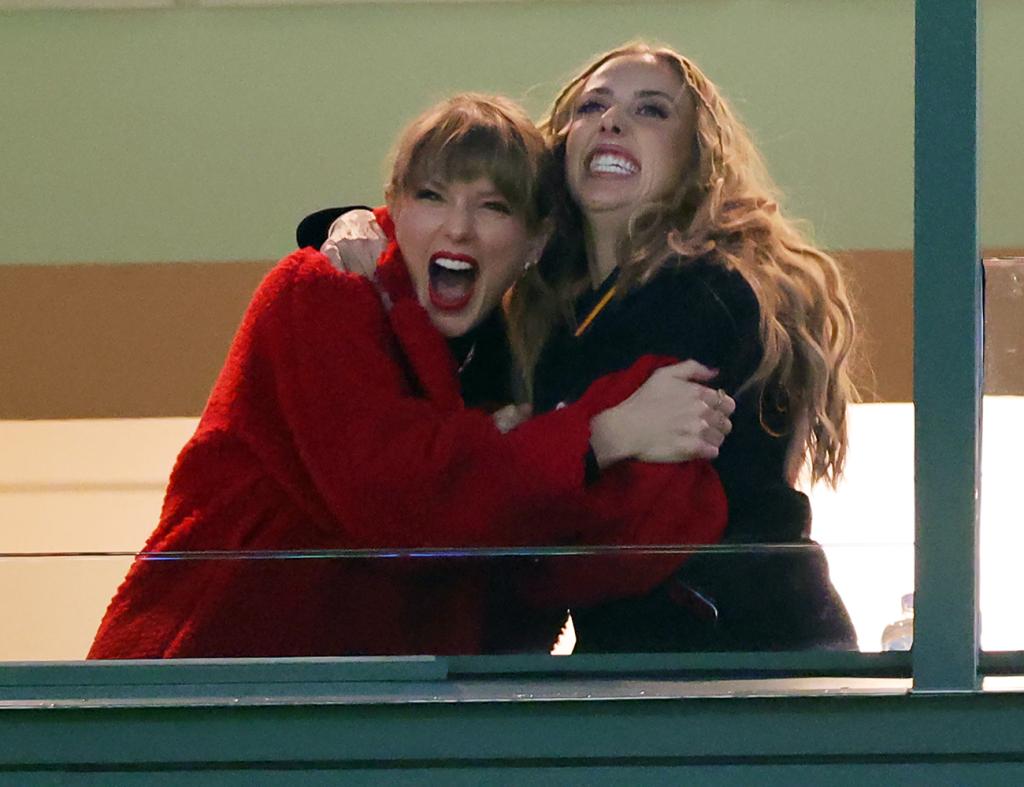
{"points": [[714, 434], [708, 425], [354, 225], [718, 399], [511, 416], [689, 370], [330, 250], [673, 417], [378, 233], [696, 372], [728, 405], [724, 403], [354, 256], [694, 448], [354, 243]]}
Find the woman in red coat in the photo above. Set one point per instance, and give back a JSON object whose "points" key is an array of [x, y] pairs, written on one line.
{"points": [[337, 425]]}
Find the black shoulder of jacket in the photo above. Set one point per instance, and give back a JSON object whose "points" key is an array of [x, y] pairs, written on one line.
{"points": [[721, 291], [713, 314]]}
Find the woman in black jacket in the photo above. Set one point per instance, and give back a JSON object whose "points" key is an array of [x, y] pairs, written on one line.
{"points": [[673, 243]]}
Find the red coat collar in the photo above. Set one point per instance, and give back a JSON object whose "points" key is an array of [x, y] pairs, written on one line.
{"points": [[425, 348], [392, 275]]}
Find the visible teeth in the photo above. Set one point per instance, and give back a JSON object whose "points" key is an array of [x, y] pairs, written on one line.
{"points": [[610, 163], [453, 265]]}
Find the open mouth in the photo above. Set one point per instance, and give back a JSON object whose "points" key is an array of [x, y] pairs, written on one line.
{"points": [[452, 280], [609, 160]]}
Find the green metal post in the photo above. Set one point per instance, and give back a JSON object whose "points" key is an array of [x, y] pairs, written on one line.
{"points": [[947, 345]]}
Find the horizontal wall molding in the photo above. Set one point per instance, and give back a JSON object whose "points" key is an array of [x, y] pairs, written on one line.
{"points": [[140, 340]]}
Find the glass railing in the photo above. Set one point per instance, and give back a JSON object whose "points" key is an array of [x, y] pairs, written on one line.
{"points": [[554, 600], [1002, 537]]}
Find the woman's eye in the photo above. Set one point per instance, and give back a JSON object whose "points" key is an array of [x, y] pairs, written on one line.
{"points": [[499, 207], [428, 195], [652, 111], [590, 106]]}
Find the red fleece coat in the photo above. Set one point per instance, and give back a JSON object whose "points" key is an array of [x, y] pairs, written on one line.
{"points": [[337, 424]]}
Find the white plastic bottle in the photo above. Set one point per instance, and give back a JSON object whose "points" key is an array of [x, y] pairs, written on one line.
{"points": [[899, 635]]}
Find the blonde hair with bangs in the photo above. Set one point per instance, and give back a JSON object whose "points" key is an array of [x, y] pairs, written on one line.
{"points": [[471, 136], [726, 205]]}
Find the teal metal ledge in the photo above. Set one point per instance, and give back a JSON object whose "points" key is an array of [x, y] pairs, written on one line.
{"points": [[766, 733], [188, 682]]}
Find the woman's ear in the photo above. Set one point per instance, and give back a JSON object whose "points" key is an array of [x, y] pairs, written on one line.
{"points": [[539, 241], [392, 204]]}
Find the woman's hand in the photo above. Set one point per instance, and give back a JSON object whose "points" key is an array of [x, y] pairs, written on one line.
{"points": [[510, 416], [354, 243], [673, 417]]}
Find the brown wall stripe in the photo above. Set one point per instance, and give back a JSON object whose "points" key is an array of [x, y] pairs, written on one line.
{"points": [[145, 340], [103, 341]]}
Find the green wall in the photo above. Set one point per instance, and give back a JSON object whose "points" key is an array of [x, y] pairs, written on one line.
{"points": [[194, 133]]}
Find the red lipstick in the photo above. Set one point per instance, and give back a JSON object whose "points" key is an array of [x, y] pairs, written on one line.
{"points": [[452, 280]]}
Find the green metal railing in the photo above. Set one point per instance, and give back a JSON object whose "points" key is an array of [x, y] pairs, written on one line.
{"points": [[947, 345]]}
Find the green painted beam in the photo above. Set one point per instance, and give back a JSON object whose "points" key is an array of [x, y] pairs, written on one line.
{"points": [[947, 345], [212, 682], [613, 733]]}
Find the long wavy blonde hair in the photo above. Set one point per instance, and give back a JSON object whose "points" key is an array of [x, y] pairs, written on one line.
{"points": [[726, 206]]}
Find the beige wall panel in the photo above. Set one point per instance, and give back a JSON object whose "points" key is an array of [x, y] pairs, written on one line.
{"points": [[88, 454], [62, 519], [74, 486], [52, 606]]}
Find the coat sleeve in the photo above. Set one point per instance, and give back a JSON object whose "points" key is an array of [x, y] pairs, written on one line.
{"points": [[656, 514], [709, 314], [317, 392]]}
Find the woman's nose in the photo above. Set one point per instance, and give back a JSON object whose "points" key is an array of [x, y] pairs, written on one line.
{"points": [[610, 121], [458, 223]]}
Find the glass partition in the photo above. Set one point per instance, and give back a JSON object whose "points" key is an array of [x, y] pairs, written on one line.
{"points": [[1001, 177], [422, 603], [1001, 581], [79, 499]]}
